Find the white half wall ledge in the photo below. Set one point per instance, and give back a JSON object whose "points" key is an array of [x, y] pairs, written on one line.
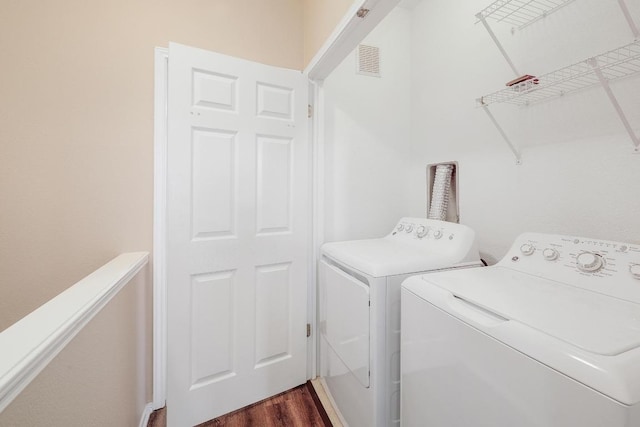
{"points": [[28, 346], [146, 414]]}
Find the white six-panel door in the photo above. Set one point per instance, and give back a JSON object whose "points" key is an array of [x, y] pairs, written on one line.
{"points": [[238, 229]]}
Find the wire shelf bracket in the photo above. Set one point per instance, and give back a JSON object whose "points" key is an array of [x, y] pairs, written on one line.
{"points": [[512, 147], [498, 44], [593, 62], [630, 21]]}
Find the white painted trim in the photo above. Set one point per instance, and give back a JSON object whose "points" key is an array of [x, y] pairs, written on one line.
{"points": [[144, 419], [31, 343], [332, 401], [331, 411], [318, 207], [350, 31], [312, 293], [161, 82]]}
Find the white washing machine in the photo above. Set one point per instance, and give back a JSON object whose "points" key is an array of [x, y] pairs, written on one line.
{"points": [[548, 337], [359, 311]]}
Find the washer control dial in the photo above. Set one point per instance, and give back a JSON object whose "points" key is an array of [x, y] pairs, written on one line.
{"points": [[408, 228], [437, 234], [527, 249], [400, 227], [550, 254], [421, 231], [589, 262], [634, 269]]}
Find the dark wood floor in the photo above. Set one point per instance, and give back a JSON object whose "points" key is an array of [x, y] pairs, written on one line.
{"points": [[298, 407]]}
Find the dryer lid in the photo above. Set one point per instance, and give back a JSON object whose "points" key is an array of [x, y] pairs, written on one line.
{"points": [[414, 245], [386, 257]]}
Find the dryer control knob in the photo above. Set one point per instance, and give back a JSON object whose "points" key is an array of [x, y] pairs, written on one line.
{"points": [[400, 227], [634, 269], [421, 231], [589, 262], [408, 228], [550, 254], [437, 234], [527, 249]]}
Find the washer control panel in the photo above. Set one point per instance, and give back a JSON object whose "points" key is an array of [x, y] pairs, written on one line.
{"points": [[611, 268]]}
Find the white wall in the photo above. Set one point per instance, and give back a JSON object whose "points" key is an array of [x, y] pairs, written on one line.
{"points": [[578, 174], [76, 172], [367, 139]]}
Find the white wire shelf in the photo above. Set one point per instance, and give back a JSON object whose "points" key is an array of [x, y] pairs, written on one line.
{"points": [[599, 70], [615, 64], [520, 13]]}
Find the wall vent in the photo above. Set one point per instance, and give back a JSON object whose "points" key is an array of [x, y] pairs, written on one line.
{"points": [[368, 60]]}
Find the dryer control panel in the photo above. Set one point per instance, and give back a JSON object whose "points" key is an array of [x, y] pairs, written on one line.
{"points": [[607, 267], [447, 239], [429, 229]]}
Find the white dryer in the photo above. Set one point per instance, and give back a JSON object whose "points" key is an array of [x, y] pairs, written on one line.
{"points": [[359, 311], [548, 337]]}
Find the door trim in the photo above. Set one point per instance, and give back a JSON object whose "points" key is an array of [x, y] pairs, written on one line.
{"points": [[317, 220], [348, 33], [160, 123]]}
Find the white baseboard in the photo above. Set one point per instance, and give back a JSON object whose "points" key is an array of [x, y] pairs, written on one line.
{"points": [[144, 419], [330, 407]]}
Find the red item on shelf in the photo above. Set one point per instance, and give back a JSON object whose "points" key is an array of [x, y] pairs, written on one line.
{"points": [[522, 79]]}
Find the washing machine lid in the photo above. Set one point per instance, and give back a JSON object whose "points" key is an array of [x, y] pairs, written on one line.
{"points": [[593, 322], [591, 337], [388, 257]]}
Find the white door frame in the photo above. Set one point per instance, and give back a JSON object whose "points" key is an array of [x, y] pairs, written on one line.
{"points": [[160, 140], [350, 31]]}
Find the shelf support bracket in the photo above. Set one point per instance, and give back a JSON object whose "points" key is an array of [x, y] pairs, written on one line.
{"points": [[513, 148], [593, 62], [482, 19], [629, 18]]}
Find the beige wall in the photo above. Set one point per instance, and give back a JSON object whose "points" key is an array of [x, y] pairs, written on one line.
{"points": [[99, 378], [76, 121], [320, 19], [76, 168], [76, 171], [76, 124]]}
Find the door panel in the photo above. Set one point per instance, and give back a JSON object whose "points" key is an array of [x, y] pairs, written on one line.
{"points": [[274, 184], [211, 323], [214, 163], [273, 332], [275, 102], [238, 227]]}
